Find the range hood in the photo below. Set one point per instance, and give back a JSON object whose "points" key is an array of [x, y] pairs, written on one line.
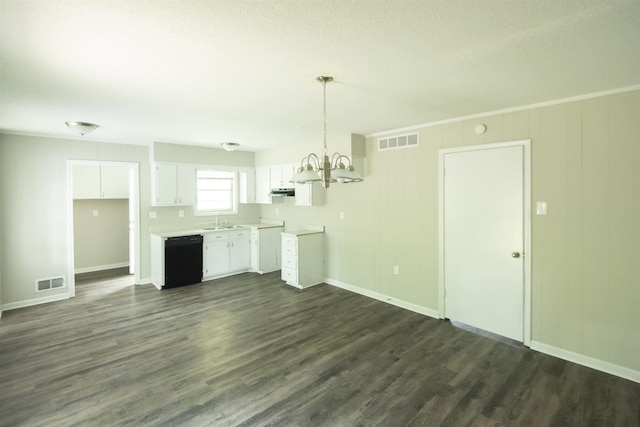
{"points": [[283, 192]]}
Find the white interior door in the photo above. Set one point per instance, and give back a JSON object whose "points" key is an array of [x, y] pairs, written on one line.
{"points": [[483, 238]]}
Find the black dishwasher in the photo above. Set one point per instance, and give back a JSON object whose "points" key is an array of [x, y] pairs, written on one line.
{"points": [[182, 261]]}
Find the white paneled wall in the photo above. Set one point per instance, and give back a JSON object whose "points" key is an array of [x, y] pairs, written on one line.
{"points": [[585, 274]]}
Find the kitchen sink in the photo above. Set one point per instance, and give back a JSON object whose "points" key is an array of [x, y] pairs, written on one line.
{"points": [[222, 227]]}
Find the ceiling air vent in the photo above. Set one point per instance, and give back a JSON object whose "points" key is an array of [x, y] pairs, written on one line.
{"points": [[399, 141], [49, 284]]}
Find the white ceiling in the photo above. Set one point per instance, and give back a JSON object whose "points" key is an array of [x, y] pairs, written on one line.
{"points": [[205, 72]]}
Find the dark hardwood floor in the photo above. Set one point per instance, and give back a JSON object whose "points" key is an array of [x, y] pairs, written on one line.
{"points": [[249, 350]]}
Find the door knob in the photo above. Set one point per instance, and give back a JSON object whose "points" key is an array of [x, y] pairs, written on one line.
{"points": [[515, 254]]}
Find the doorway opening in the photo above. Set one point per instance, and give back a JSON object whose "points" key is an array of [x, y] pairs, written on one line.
{"points": [[103, 220]]}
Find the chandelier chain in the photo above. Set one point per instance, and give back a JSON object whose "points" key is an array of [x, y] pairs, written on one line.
{"points": [[324, 113]]}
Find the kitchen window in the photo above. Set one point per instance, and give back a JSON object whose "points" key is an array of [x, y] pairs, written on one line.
{"points": [[216, 192]]}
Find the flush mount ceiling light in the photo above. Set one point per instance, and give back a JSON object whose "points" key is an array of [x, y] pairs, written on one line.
{"points": [[312, 170], [82, 128], [230, 146]]}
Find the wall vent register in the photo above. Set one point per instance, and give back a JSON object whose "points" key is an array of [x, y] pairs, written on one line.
{"points": [[50, 283], [399, 141]]}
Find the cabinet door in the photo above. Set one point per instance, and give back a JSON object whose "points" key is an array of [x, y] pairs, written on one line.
{"points": [[114, 181], [186, 185], [263, 185], [166, 184], [239, 254], [287, 173], [86, 181], [216, 258], [310, 194], [281, 175], [303, 194], [255, 249], [275, 177], [270, 249], [247, 184]]}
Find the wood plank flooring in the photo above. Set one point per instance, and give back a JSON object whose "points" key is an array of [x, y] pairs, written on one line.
{"points": [[249, 350]]}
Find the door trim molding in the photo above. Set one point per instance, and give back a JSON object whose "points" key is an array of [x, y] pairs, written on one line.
{"points": [[134, 200], [526, 146]]}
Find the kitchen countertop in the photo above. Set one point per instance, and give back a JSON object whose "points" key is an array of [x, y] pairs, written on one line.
{"points": [[261, 226], [311, 229], [203, 230]]}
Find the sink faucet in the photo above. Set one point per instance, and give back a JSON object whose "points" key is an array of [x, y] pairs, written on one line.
{"points": [[225, 222], [217, 217]]}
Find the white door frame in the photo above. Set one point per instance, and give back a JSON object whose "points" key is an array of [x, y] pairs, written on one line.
{"points": [[134, 199], [526, 145]]}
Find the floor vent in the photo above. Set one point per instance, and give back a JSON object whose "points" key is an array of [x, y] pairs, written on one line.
{"points": [[49, 284], [399, 141]]}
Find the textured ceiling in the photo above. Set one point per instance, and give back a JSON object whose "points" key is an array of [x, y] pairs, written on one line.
{"points": [[205, 72]]}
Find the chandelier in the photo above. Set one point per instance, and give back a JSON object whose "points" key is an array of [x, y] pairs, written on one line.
{"points": [[328, 170]]}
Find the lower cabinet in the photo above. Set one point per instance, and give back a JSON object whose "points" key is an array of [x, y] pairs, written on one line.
{"points": [[240, 252], [225, 252], [265, 249], [302, 259]]}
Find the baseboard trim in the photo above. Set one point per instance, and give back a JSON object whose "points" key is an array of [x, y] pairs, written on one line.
{"points": [[146, 281], [35, 301], [589, 362], [100, 267], [385, 298]]}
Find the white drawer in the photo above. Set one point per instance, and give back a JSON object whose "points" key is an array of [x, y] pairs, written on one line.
{"points": [[289, 251], [289, 241], [218, 235], [290, 262], [289, 275], [239, 234]]}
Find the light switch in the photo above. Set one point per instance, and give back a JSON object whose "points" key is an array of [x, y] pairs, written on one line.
{"points": [[341, 215], [396, 270], [541, 208]]}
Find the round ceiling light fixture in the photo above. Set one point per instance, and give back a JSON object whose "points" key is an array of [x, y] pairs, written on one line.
{"points": [[82, 128], [230, 146]]}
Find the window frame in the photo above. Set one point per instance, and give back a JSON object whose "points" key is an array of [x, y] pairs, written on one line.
{"points": [[234, 192]]}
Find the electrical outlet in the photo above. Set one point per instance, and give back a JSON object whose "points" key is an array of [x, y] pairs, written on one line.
{"points": [[181, 213], [153, 215], [396, 270], [95, 212], [341, 215], [277, 211]]}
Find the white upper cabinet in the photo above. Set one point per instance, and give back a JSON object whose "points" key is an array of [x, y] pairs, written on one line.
{"points": [[114, 182], [310, 194], [269, 177], [263, 185], [100, 182], [281, 174], [173, 185], [247, 184]]}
